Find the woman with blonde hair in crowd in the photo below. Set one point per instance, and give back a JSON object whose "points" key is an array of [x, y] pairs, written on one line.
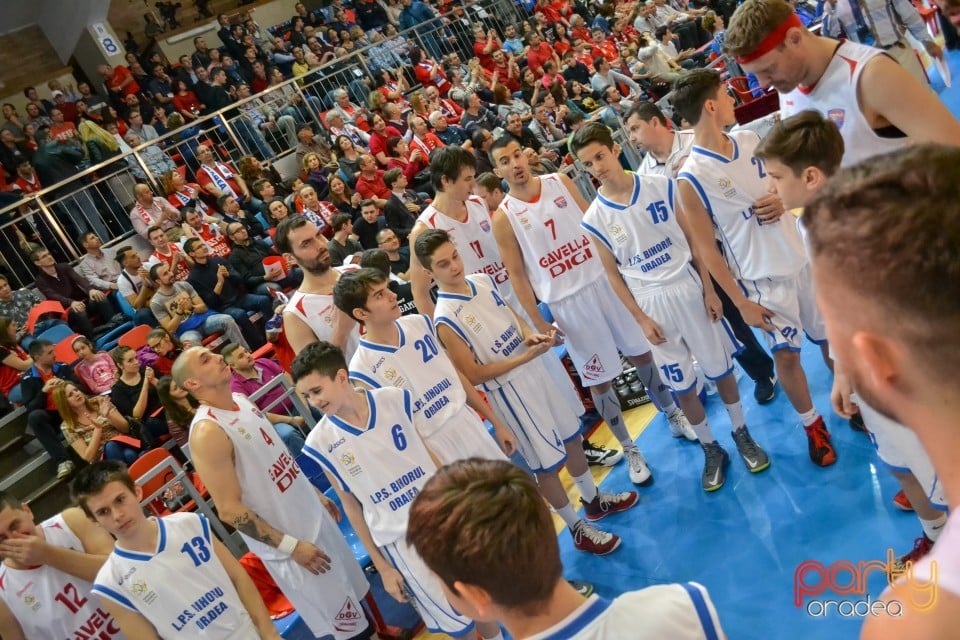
{"points": [[93, 427], [98, 143]]}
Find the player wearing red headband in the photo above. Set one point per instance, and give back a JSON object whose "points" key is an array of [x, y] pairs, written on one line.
{"points": [[873, 100]]}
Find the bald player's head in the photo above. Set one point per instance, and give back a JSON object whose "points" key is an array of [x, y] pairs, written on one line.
{"points": [[189, 372]]}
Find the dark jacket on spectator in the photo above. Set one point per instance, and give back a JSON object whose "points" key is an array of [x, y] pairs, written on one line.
{"points": [[398, 216], [248, 261], [203, 278], [31, 385], [69, 286], [56, 162]]}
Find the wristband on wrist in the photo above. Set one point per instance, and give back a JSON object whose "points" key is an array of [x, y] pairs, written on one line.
{"points": [[287, 545]]}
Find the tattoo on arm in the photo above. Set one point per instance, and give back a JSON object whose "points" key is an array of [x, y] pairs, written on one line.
{"points": [[252, 525]]}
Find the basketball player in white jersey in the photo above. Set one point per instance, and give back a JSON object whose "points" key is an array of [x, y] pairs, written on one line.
{"points": [[310, 314], [47, 574], [466, 217], [666, 150], [496, 350], [551, 258], [260, 491], [169, 577], [514, 575], [884, 264], [800, 154], [722, 186], [370, 449], [404, 352], [645, 252], [875, 102]]}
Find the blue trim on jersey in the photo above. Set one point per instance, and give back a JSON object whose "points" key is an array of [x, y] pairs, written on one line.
{"points": [[426, 319], [717, 156], [144, 557], [407, 404], [411, 577], [453, 296], [687, 390], [588, 615], [936, 505], [110, 594], [671, 198], [634, 195], [163, 536], [726, 327], [785, 345], [689, 177], [513, 412], [599, 236], [450, 323], [385, 347], [819, 343], [703, 611], [893, 467], [352, 429], [205, 525], [362, 377], [722, 375], [318, 457]]}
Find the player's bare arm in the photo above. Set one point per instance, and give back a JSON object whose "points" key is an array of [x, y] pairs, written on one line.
{"points": [[343, 325], [212, 454], [710, 298], [701, 234], [888, 94], [247, 591], [476, 402], [939, 622], [392, 580], [11, 628], [650, 327], [420, 280], [298, 333], [575, 192], [475, 372], [513, 262], [131, 623]]}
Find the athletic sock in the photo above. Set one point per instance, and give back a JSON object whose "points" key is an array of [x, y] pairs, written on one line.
{"points": [[933, 528], [569, 516], [608, 406], [586, 485], [702, 429], [809, 417], [659, 393], [735, 411]]}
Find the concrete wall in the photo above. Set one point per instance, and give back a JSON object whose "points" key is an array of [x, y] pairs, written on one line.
{"points": [[64, 22], [20, 102]]}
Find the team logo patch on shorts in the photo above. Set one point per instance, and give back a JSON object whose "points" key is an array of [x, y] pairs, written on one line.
{"points": [[838, 116], [560, 201], [593, 368], [348, 620]]}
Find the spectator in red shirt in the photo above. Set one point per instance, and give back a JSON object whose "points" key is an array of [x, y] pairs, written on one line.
{"points": [[423, 139], [539, 53], [605, 48], [62, 131], [219, 178], [428, 72], [370, 184], [119, 79], [378, 139], [484, 44], [508, 73]]}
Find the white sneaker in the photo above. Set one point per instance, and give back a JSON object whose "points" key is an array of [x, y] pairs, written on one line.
{"points": [[64, 469], [637, 465], [680, 426]]}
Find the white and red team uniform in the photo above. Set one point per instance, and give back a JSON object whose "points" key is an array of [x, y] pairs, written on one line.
{"points": [[182, 589], [523, 398], [418, 364], [385, 464], [566, 274], [220, 175], [190, 192], [835, 97], [318, 312], [214, 239], [675, 611], [275, 488], [654, 259], [50, 604], [768, 260], [181, 272], [480, 254]]}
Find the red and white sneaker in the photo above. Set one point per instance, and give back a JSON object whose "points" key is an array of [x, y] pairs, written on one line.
{"points": [[588, 538], [606, 503], [921, 547], [902, 502]]}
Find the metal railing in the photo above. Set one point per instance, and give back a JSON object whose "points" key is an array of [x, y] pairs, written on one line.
{"points": [[100, 197]]}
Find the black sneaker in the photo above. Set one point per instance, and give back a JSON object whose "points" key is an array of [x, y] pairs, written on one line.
{"points": [[753, 456], [765, 390], [857, 424], [585, 589], [714, 466], [599, 456]]}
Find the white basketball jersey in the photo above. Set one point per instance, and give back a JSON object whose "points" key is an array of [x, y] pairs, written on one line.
{"points": [[51, 604], [272, 483], [728, 187], [675, 611], [383, 463], [181, 588], [417, 364], [556, 251], [317, 311], [835, 97], [484, 321], [473, 239], [644, 235], [946, 573]]}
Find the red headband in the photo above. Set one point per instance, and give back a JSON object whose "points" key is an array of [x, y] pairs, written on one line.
{"points": [[772, 41]]}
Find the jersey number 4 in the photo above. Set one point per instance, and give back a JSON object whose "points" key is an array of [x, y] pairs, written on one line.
{"points": [[197, 549]]}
